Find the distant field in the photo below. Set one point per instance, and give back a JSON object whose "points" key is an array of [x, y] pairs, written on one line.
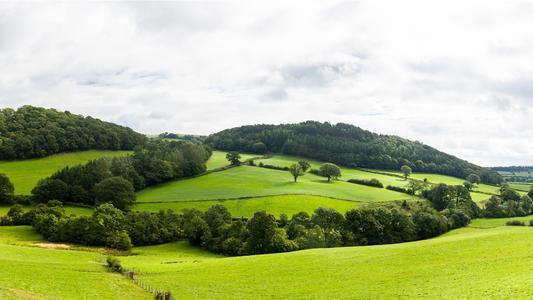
{"points": [[218, 159], [30, 272], [24, 174], [347, 173], [521, 186], [246, 181], [276, 205], [468, 263]]}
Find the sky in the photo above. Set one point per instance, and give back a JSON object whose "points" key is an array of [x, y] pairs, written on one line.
{"points": [[456, 75]]}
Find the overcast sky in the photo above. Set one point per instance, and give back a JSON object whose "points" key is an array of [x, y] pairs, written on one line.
{"points": [[456, 75]]}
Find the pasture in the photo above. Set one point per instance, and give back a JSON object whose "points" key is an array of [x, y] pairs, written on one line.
{"points": [[466, 263], [218, 159], [246, 181], [31, 272], [521, 186], [24, 174]]}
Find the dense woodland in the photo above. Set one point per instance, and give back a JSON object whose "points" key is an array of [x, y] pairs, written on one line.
{"points": [[31, 132], [346, 145], [115, 180]]}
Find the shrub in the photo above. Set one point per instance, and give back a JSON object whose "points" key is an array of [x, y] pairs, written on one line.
{"points": [[531, 222], [272, 167], [54, 203], [398, 189], [515, 223], [114, 265], [232, 246], [372, 182], [119, 240]]}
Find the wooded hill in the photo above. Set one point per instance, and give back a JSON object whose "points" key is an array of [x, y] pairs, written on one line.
{"points": [[346, 145], [31, 132]]}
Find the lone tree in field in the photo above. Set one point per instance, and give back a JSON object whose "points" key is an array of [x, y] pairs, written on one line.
{"points": [[330, 171], [296, 171], [115, 190], [406, 171], [234, 158], [6, 189], [304, 165], [473, 179]]}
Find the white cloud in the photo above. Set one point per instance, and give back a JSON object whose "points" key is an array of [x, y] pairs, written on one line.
{"points": [[452, 74]]}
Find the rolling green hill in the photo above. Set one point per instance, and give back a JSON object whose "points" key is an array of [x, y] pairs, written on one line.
{"points": [[490, 263], [31, 272], [346, 145], [24, 174]]}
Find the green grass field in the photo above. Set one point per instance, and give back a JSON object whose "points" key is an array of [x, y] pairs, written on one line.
{"points": [[218, 159], [468, 263], [246, 181], [521, 186], [24, 174], [30, 272], [276, 205]]}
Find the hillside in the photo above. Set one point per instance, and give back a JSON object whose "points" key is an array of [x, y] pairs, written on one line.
{"points": [[32, 132], [346, 145]]}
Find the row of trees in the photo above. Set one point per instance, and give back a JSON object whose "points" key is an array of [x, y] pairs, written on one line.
{"points": [[346, 145], [115, 180], [37, 132], [217, 231]]}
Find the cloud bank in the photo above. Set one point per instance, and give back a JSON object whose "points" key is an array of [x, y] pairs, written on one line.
{"points": [[452, 74]]}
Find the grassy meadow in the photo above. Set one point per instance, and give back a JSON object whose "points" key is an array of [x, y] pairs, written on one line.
{"points": [[218, 159], [24, 174], [490, 263], [31, 272], [521, 186], [246, 181]]}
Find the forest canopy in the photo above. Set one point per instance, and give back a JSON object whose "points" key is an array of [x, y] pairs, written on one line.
{"points": [[31, 132], [346, 145]]}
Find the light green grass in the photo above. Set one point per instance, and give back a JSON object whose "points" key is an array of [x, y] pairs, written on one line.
{"points": [[218, 159], [246, 181], [472, 263], [24, 174], [495, 222], [347, 173], [521, 186], [69, 210], [276, 205], [29, 272], [437, 178]]}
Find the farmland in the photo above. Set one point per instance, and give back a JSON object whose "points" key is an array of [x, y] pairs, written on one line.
{"points": [[24, 174], [458, 265]]}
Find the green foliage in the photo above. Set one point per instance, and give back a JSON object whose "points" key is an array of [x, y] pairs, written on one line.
{"points": [[233, 157], [115, 190], [31, 132], [7, 190], [119, 240], [508, 204], [406, 171], [349, 146], [114, 265], [296, 171], [368, 182], [473, 178], [304, 165], [330, 170]]}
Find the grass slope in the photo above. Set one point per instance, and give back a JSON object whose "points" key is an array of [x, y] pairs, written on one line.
{"points": [[71, 210], [29, 272], [276, 205], [218, 159], [521, 186], [468, 263], [24, 174], [246, 181]]}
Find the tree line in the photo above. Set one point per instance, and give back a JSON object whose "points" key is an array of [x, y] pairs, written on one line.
{"points": [[346, 145], [31, 132], [115, 180]]}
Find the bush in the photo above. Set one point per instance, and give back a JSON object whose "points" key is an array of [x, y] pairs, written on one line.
{"points": [[399, 189], [7, 190], [272, 167], [531, 222], [114, 265], [515, 223], [119, 240], [372, 182]]}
